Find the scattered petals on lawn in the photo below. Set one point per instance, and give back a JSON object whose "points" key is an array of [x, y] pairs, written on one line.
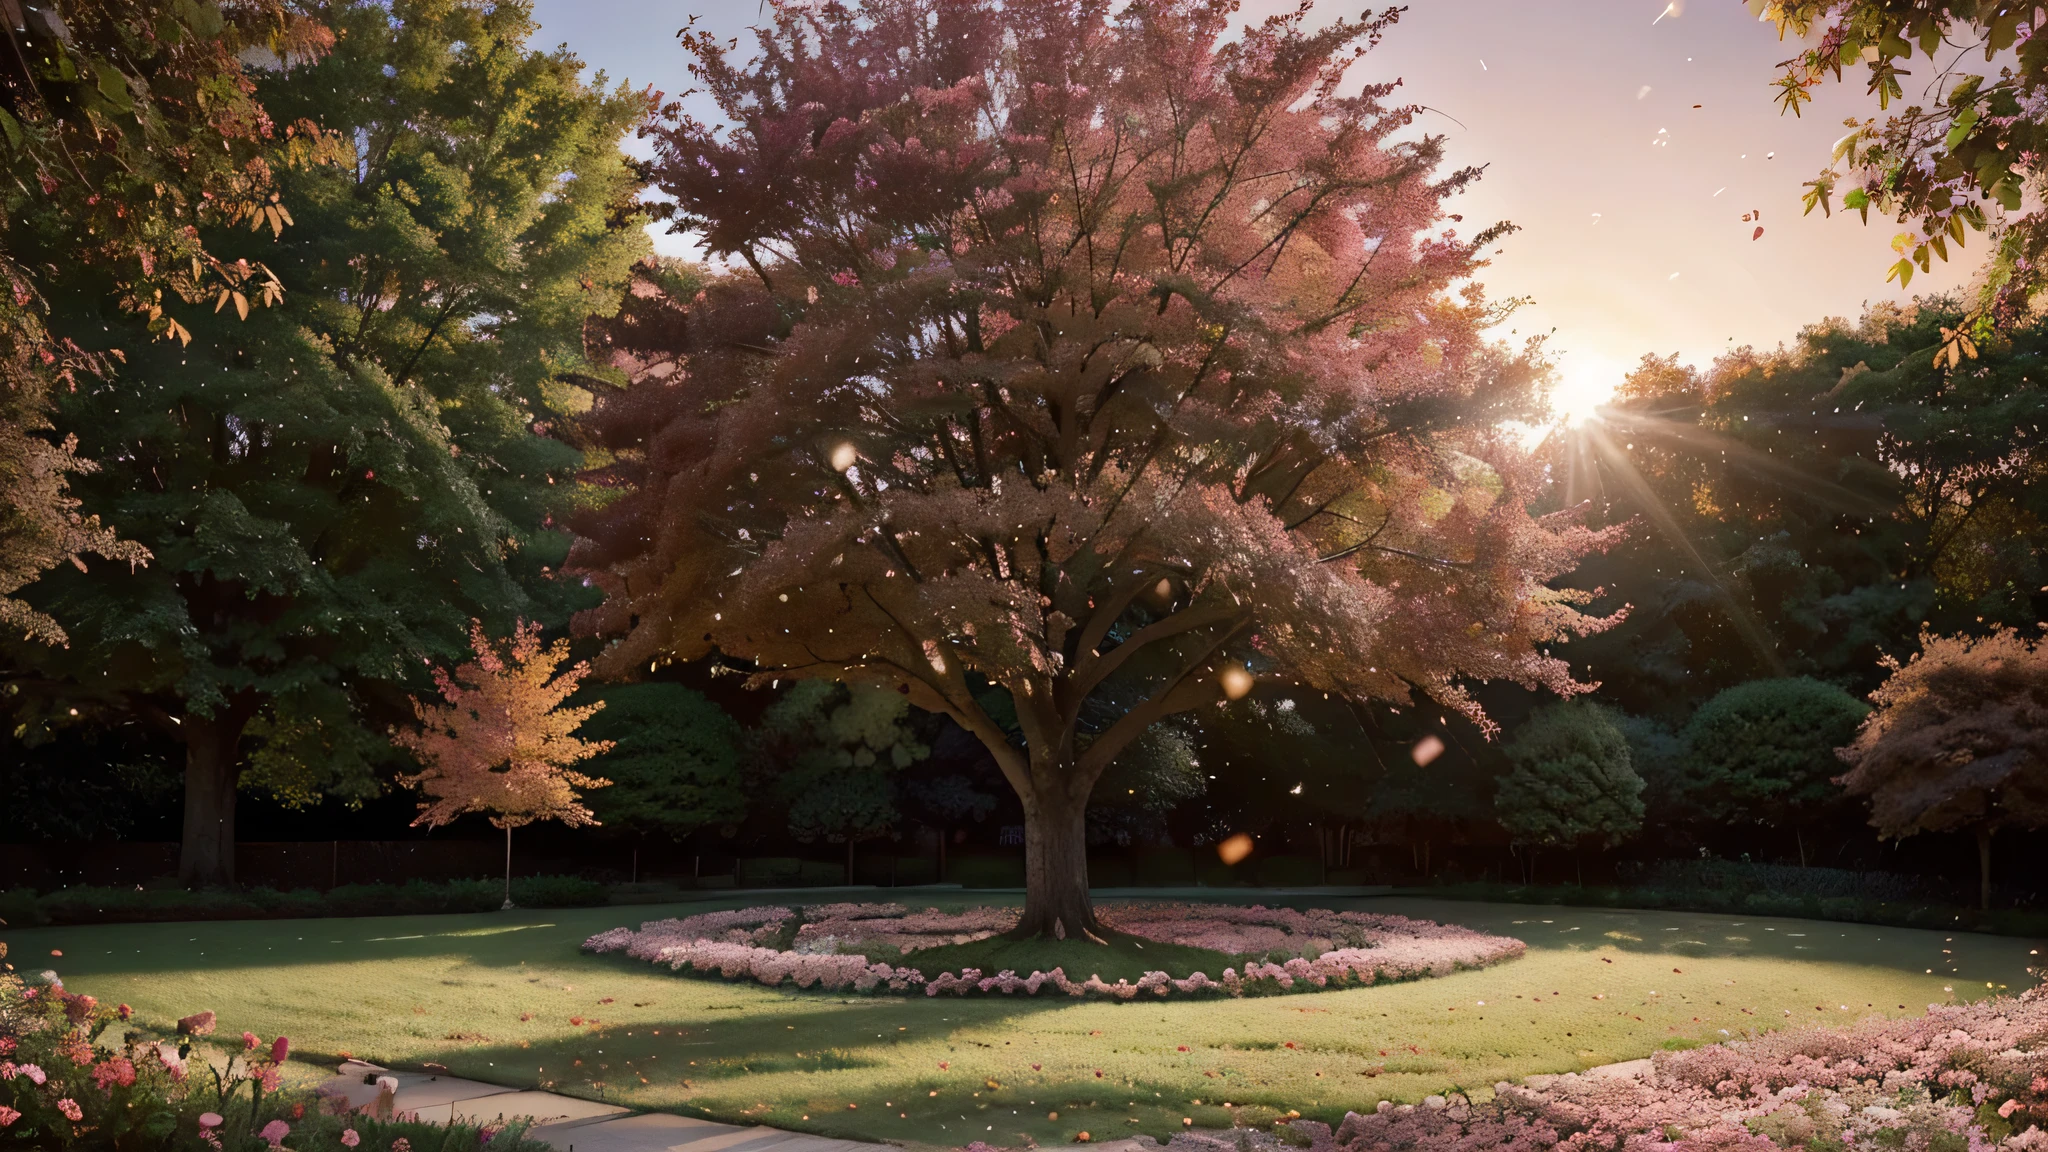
{"points": [[1962, 1077], [833, 947]]}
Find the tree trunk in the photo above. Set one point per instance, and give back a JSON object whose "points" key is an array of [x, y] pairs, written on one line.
{"points": [[206, 856], [508, 869], [1801, 837], [1984, 868], [1056, 900]]}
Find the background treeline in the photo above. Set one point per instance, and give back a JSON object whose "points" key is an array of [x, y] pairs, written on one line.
{"points": [[362, 432]]}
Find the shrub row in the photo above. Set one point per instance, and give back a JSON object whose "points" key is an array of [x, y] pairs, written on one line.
{"points": [[23, 907], [1850, 909]]}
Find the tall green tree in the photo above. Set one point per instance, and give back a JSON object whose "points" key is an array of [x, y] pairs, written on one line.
{"points": [[124, 125], [1764, 752], [1804, 511], [333, 487], [834, 751], [1572, 782], [676, 763]]}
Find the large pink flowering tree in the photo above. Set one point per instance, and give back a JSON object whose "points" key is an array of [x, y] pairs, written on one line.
{"points": [[1087, 355]]}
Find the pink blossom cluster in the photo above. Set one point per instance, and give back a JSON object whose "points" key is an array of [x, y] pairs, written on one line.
{"points": [[750, 926], [869, 928], [1008, 982], [1263, 931], [1963, 1077], [835, 942], [828, 972]]}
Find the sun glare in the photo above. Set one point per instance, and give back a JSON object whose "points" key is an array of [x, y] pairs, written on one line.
{"points": [[1584, 384]]}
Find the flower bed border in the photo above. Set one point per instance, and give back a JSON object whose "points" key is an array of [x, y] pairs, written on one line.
{"points": [[693, 943]]}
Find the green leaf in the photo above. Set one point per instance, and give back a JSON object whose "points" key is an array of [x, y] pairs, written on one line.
{"points": [[12, 127], [1961, 130], [114, 87], [1902, 272], [1855, 198]]}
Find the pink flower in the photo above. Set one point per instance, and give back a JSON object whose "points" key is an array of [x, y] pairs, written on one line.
{"points": [[34, 1073], [70, 1109], [2006, 1109], [275, 1132], [8, 1116], [349, 1139], [279, 1049], [116, 1071], [210, 1120], [249, 1041], [401, 1145], [6, 1045], [269, 1078]]}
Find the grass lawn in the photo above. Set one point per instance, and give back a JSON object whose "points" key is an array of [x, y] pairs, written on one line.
{"points": [[508, 997]]}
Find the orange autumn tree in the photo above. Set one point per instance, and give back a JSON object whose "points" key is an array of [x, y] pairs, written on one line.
{"points": [[1078, 353], [502, 741]]}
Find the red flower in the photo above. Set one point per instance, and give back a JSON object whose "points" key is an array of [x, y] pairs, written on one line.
{"points": [[116, 1071]]}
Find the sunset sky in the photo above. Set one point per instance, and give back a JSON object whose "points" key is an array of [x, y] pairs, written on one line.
{"points": [[1579, 107]]}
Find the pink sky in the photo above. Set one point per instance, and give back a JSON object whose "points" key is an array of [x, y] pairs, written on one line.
{"points": [[1560, 112]]}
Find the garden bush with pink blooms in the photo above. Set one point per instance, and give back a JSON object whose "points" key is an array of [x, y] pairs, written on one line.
{"points": [[1962, 1078], [873, 947], [78, 1074]]}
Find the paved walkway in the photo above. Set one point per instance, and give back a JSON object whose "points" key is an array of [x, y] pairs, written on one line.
{"points": [[568, 1123]]}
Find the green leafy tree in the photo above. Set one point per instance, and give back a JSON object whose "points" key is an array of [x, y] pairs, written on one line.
{"points": [[1572, 783], [333, 487], [834, 751], [1806, 509], [676, 763], [1765, 752], [1958, 742], [1657, 754], [945, 802], [1962, 155], [124, 126], [1159, 770]]}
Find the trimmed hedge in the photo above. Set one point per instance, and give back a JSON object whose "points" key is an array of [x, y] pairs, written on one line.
{"points": [[1848, 909], [23, 907]]}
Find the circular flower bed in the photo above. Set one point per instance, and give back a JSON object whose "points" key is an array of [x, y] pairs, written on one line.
{"points": [[834, 947]]}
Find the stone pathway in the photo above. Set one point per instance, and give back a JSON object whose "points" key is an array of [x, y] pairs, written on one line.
{"points": [[566, 1122]]}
